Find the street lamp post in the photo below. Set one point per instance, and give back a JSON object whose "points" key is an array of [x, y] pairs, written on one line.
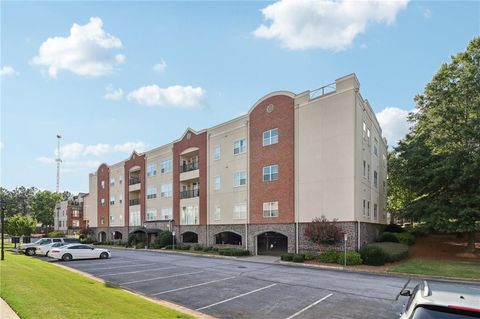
{"points": [[3, 203]]}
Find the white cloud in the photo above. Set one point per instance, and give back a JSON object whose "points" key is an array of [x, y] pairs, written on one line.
{"points": [[427, 13], [87, 51], [328, 24], [7, 70], [394, 124], [113, 94], [160, 67], [45, 160], [176, 96]]}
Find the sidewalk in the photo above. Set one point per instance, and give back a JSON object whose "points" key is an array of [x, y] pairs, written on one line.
{"points": [[6, 312]]}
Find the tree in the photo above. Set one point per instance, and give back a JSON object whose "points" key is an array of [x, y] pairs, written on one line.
{"points": [[19, 225], [18, 200], [323, 232], [398, 193], [440, 157], [43, 206]]}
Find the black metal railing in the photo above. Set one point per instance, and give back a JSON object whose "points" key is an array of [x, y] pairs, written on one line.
{"points": [[187, 167], [133, 180], [189, 193], [133, 202]]}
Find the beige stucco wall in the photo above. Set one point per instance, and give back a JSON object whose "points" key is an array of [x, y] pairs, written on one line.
{"points": [[228, 195], [156, 156], [90, 204], [117, 190]]}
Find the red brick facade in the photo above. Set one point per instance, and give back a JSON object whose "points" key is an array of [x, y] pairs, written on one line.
{"points": [[103, 210], [71, 218], [191, 139], [135, 160], [282, 154]]}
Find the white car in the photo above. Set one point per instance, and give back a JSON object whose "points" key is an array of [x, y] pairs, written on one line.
{"points": [[78, 251], [44, 249]]}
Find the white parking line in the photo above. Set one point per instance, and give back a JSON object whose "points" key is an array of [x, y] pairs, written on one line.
{"points": [[192, 286], [309, 306], [96, 263], [136, 271], [163, 277], [116, 267], [230, 299]]}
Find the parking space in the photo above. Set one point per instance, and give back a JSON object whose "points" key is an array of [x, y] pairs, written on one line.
{"points": [[227, 288]]}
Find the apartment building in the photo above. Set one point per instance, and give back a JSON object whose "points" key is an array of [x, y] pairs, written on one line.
{"points": [[258, 180], [68, 215]]}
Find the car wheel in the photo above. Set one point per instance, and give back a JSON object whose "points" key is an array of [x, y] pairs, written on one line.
{"points": [[67, 257], [46, 254], [104, 255], [30, 252]]}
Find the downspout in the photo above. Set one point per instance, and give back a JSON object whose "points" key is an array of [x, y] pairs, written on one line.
{"points": [[207, 160], [355, 175], [248, 187], [297, 184]]}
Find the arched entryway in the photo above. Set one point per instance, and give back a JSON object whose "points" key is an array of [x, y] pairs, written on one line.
{"points": [[117, 235], [190, 237], [102, 236], [272, 243], [228, 238]]}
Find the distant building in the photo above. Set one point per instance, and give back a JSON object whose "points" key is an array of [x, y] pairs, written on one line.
{"points": [[255, 181], [68, 215]]}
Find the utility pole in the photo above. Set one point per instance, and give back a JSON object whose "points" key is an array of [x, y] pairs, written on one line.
{"points": [[58, 160]]}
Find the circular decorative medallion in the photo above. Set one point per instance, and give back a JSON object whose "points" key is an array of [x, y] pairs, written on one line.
{"points": [[270, 108]]}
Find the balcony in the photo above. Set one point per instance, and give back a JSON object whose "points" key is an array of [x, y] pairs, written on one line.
{"points": [[189, 193], [133, 202], [134, 180], [187, 167]]}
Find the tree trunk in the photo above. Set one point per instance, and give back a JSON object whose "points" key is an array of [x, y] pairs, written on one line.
{"points": [[471, 242]]}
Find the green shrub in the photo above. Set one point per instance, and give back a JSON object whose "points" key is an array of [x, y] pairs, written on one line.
{"points": [[168, 247], [182, 247], [287, 257], [353, 258], [87, 240], [197, 247], [298, 258], [406, 238], [309, 256], [393, 228], [233, 252], [394, 251], [165, 238], [55, 234], [373, 255], [208, 249], [328, 256], [140, 245], [388, 237]]}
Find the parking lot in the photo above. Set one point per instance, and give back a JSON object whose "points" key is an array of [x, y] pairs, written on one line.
{"points": [[229, 288]]}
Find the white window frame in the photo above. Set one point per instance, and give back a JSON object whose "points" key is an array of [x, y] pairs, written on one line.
{"points": [[364, 207], [103, 184], [76, 223], [269, 173], [375, 210], [151, 212], [368, 208], [240, 211], [375, 178], [269, 138], [134, 218], [375, 146], [217, 183], [217, 153], [168, 192], [112, 200], [151, 192], [217, 215], [237, 179], [270, 209], [102, 201], [112, 181], [152, 170], [76, 213], [164, 213], [166, 166], [241, 147]]}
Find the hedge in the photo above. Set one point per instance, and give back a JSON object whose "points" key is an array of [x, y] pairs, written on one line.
{"points": [[393, 228], [328, 256], [373, 255], [394, 251], [388, 237], [233, 252], [287, 257], [353, 258]]}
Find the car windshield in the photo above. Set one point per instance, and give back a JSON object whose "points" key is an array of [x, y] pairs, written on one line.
{"points": [[43, 242], [71, 240], [441, 313]]}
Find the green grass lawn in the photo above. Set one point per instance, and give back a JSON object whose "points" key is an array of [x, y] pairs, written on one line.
{"points": [[37, 289], [446, 268]]}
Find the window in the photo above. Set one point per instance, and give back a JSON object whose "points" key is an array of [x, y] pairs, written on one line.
{"points": [[152, 214], [120, 199], [112, 200], [102, 221], [120, 179], [166, 190], [239, 179], [240, 146], [216, 214], [189, 215], [134, 218], [152, 170], [364, 207], [103, 184], [216, 183], [368, 208], [102, 201], [112, 218], [151, 192], [375, 146], [368, 171], [375, 209], [76, 223], [270, 137], [76, 213], [375, 179], [364, 129], [270, 173], [166, 166], [364, 169], [166, 213], [368, 134], [270, 209], [217, 153], [240, 211], [112, 181]]}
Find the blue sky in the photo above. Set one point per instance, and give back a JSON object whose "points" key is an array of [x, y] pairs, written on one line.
{"points": [[99, 89]]}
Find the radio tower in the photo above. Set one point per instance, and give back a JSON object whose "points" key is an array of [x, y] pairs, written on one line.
{"points": [[58, 160]]}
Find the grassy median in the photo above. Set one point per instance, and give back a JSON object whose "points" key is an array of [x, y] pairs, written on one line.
{"points": [[37, 289], [445, 268]]}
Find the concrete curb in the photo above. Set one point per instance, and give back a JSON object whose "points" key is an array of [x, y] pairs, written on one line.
{"points": [[6, 311], [163, 303]]}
